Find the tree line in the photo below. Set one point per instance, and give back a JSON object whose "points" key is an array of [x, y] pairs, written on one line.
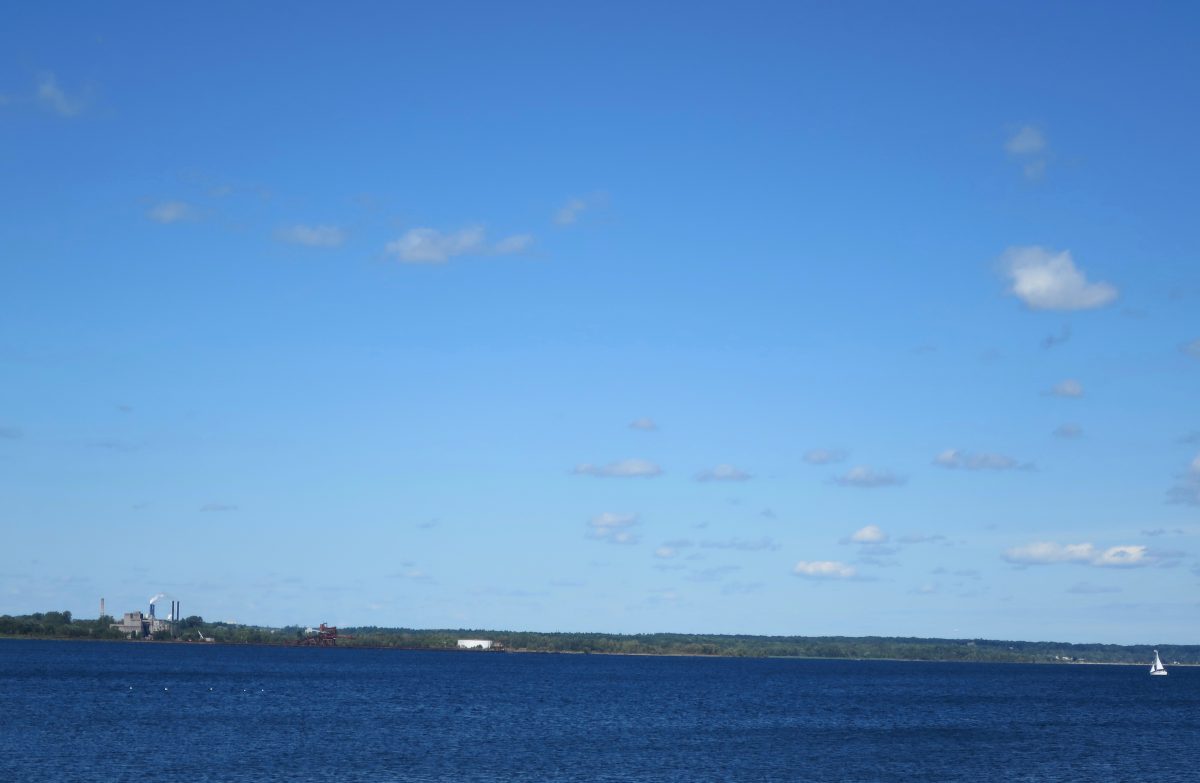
{"points": [[61, 625]]}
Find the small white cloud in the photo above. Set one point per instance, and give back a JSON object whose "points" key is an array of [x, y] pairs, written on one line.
{"points": [[626, 468], [613, 528], [955, 460], [1068, 388], [53, 98], [921, 538], [871, 534], [1086, 588], [517, 243], [823, 456], [645, 424], [171, 212], [865, 477], [824, 569], [1068, 431], [1192, 348], [1123, 556], [1028, 140], [430, 246], [570, 211], [1034, 169], [312, 236], [410, 572], [742, 544], [1048, 280], [666, 552], [1050, 552], [723, 473], [1187, 486]]}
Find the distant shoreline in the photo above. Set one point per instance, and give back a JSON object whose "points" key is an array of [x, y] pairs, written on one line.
{"points": [[533, 651]]}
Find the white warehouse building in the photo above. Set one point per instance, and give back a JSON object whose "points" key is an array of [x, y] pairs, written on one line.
{"points": [[474, 644]]}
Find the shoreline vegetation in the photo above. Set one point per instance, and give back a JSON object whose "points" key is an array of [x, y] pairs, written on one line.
{"points": [[61, 625]]}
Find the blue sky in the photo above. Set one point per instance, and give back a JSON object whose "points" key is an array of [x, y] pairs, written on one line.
{"points": [[756, 319]]}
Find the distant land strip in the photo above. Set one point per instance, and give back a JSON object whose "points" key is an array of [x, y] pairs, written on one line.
{"points": [[61, 625]]}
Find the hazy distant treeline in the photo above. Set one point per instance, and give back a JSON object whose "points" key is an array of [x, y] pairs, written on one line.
{"points": [[57, 625], [904, 648], [63, 625]]}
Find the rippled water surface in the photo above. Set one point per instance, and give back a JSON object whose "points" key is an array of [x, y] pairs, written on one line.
{"points": [[161, 712]]}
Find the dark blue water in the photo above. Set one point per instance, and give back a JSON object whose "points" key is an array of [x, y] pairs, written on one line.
{"points": [[158, 712]]}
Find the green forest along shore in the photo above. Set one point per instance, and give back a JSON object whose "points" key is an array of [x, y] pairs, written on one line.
{"points": [[61, 625]]}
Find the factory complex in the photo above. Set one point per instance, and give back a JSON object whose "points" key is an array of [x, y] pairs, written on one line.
{"points": [[136, 625]]}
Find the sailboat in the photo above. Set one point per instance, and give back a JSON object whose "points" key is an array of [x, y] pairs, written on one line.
{"points": [[1157, 667]]}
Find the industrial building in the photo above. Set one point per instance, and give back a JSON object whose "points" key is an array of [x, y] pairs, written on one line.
{"points": [[475, 644], [136, 625]]}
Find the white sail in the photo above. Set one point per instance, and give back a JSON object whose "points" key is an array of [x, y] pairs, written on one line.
{"points": [[1157, 667]]}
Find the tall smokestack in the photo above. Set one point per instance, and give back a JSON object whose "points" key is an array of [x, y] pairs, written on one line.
{"points": [[101, 607]]}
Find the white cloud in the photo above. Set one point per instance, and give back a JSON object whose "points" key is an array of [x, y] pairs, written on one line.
{"points": [[823, 456], [52, 97], [626, 468], [1034, 169], [430, 246], [570, 211], [171, 212], [1187, 485], [871, 534], [1086, 588], [666, 552], [955, 459], [1068, 388], [723, 473], [921, 538], [824, 569], [741, 544], [1028, 140], [517, 243], [1068, 431], [1049, 552], [613, 528], [645, 424], [863, 476], [312, 236], [1046, 280], [410, 572], [1192, 349]]}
